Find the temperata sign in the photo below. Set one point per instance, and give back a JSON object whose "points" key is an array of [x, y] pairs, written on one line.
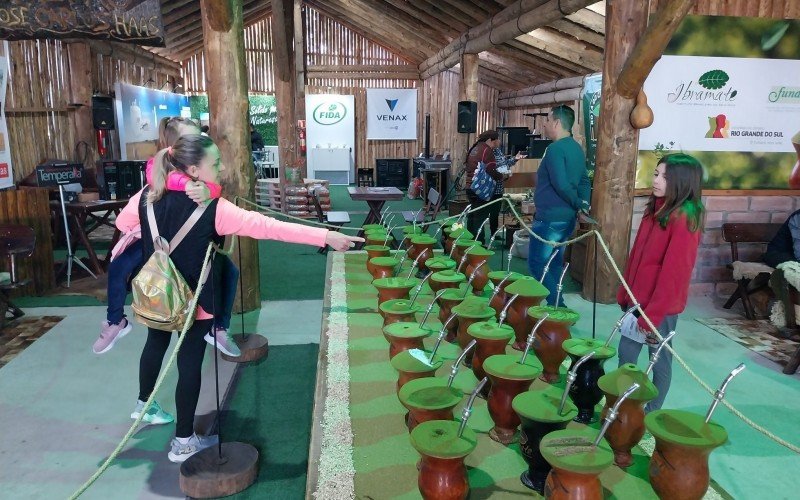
{"points": [[135, 21]]}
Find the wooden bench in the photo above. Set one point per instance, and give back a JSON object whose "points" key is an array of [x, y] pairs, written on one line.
{"points": [[744, 232]]}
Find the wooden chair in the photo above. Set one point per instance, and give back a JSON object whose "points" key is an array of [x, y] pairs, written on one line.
{"points": [[337, 219], [743, 232], [428, 212], [15, 241]]}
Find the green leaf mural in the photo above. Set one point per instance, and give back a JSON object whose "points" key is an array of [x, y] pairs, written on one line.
{"points": [[773, 35], [714, 79]]}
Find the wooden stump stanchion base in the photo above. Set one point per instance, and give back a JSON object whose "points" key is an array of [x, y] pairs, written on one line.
{"points": [[206, 475], [253, 347]]}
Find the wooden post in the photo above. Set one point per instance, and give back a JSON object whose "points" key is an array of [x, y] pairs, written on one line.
{"points": [[467, 91], [300, 72], [283, 68], [226, 81], [80, 96], [650, 47], [617, 149]]}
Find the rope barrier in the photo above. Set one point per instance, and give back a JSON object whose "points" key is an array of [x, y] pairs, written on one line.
{"points": [[186, 325], [599, 239]]}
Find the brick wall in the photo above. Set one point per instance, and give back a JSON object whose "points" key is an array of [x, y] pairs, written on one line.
{"points": [[710, 275]]}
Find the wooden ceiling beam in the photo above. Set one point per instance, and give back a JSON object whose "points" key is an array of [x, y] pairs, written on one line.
{"points": [[450, 26], [564, 68], [380, 13], [167, 7], [440, 10], [371, 23], [474, 12], [360, 31], [525, 60], [583, 34], [527, 16], [590, 20], [512, 69], [564, 48]]}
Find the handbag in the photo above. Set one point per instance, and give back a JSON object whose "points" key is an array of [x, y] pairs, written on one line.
{"points": [[482, 183]]}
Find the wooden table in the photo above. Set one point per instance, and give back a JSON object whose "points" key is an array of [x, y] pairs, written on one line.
{"points": [[96, 213], [375, 197]]}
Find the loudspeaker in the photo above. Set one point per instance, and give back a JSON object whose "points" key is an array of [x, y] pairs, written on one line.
{"points": [[467, 117], [103, 112]]}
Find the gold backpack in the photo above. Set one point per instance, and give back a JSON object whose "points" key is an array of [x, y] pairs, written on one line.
{"points": [[161, 296]]}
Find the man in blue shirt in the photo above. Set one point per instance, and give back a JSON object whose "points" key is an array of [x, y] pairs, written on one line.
{"points": [[562, 190]]}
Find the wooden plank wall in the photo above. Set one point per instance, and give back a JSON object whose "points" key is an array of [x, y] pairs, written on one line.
{"points": [[258, 58], [39, 122], [777, 9]]}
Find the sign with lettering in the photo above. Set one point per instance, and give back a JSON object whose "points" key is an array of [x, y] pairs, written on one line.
{"points": [[392, 114], [134, 21], [59, 173]]}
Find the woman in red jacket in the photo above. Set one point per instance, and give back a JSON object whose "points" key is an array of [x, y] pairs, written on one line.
{"points": [[661, 261]]}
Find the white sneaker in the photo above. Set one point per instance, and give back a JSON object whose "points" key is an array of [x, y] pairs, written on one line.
{"points": [[154, 415], [225, 342], [182, 451]]}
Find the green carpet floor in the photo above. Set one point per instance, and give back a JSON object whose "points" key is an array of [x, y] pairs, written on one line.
{"points": [[384, 459], [271, 409]]}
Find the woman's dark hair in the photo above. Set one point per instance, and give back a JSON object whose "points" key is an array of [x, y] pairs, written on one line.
{"points": [[684, 176], [188, 150], [485, 136]]}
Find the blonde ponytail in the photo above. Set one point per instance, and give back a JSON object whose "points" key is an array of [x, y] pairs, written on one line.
{"points": [[158, 184]]}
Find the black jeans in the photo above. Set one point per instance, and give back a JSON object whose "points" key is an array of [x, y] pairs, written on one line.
{"points": [[476, 218], [190, 361]]}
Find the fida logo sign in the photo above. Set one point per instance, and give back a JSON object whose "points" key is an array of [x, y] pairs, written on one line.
{"points": [[329, 113], [713, 88], [391, 104]]}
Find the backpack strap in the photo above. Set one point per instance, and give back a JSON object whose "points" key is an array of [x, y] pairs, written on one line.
{"points": [[182, 232]]}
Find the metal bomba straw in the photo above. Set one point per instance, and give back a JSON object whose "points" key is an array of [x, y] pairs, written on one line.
{"points": [[439, 339], [510, 256], [491, 240], [619, 322], [654, 357], [532, 336], [472, 277], [480, 229], [571, 377], [499, 287], [416, 262], [463, 215], [560, 285], [720, 394], [612, 413], [503, 313], [419, 287], [468, 408], [454, 369], [547, 265], [430, 307]]}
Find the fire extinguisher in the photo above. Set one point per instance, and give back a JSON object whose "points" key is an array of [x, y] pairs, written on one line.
{"points": [[102, 142], [301, 133]]}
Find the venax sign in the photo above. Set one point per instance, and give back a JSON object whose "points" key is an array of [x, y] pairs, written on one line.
{"points": [[392, 114], [329, 112]]}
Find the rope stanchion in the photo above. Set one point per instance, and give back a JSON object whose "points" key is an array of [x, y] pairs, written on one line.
{"points": [[599, 239], [159, 381]]}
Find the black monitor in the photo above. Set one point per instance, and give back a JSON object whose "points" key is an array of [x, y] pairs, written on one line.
{"points": [[536, 147]]}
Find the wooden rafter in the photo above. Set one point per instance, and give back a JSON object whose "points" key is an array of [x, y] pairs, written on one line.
{"points": [[527, 16]]}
